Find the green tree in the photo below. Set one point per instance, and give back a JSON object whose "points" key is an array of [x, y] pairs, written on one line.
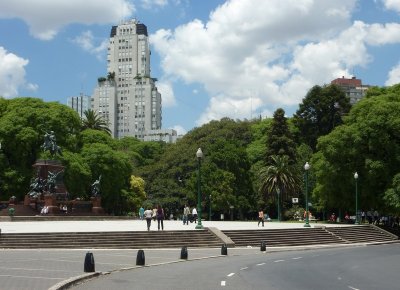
{"points": [[367, 143], [280, 176], [320, 112], [137, 194], [115, 169], [23, 122], [392, 195], [94, 121], [279, 141]]}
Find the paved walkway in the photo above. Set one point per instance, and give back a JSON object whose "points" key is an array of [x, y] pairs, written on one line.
{"points": [[138, 225]]}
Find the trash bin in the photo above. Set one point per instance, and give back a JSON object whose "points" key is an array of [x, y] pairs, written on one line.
{"points": [[222, 216]]}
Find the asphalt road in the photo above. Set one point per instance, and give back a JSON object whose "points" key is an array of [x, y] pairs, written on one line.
{"points": [[364, 268], [39, 269]]}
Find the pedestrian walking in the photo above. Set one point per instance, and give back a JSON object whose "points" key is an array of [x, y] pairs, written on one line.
{"points": [[141, 213], [194, 214], [154, 215], [186, 212], [362, 217], [160, 217], [148, 214], [261, 217]]}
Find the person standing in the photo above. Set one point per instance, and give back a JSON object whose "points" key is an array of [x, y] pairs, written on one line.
{"points": [[194, 214], [148, 215], [154, 213], [261, 217], [160, 217], [141, 213], [186, 212]]}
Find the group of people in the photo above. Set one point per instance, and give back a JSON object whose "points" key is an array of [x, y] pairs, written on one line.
{"points": [[63, 208], [189, 215], [157, 213], [44, 210]]}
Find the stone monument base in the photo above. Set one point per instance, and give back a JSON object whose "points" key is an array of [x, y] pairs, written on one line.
{"points": [[96, 202], [51, 203]]}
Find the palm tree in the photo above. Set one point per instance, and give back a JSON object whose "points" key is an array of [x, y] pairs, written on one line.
{"points": [[95, 122], [279, 177]]}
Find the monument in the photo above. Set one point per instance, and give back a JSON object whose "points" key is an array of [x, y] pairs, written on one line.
{"points": [[48, 184], [96, 198]]}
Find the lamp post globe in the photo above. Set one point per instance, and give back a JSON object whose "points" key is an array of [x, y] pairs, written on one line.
{"points": [[357, 222], [306, 168], [199, 155]]}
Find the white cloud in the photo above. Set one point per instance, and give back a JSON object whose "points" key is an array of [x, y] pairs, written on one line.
{"points": [[179, 129], [150, 4], [259, 48], [45, 18], [167, 93], [380, 34], [12, 74], [392, 4], [394, 76], [265, 54], [88, 43]]}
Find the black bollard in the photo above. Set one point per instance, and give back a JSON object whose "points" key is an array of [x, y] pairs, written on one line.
{"points": [[224, 250], [184, 253], [89, 263], [263, 246], [140, 260]]}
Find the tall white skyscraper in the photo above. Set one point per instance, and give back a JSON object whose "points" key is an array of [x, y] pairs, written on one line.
{"points": [[80, 104], [127, 97]]}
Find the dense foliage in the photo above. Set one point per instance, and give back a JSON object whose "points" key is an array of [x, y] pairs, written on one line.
{"points": [[245, 163]]}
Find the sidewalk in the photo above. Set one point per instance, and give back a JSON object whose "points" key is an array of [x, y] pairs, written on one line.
{"points": [[138, 225]]}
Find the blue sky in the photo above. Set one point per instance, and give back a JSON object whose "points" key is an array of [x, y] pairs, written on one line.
{"points": [[213, 58]]}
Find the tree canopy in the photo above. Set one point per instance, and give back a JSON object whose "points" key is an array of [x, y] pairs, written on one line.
{"points": [[320, 112]]}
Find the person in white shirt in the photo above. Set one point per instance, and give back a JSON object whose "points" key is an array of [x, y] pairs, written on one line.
{"points": [[194, 214], [148, 214]]}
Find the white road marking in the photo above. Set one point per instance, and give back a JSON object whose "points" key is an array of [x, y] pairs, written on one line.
{"points": [[223, 283], [353, 288], [231, 274], [277, 261], [244, 268], [32, 277], [260, 264], [339, 278], [296, 258]]}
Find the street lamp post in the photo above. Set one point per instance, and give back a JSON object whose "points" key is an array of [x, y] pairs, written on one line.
{"points": [[199, 155], [278, 192], [306, 168], [356, 179], [209, 199]]}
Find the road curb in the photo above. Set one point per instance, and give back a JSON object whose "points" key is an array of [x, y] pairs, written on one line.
{"points": [[66, 284]]}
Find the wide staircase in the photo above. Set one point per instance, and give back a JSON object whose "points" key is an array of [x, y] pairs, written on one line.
{"points": [[309, 236], [111, 240], [362, 234], [393, 230], [282, 237]]}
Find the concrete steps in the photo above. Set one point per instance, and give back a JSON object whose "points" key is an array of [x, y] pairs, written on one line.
{"points": [[282, 237], [362, 234], [111, 240]]}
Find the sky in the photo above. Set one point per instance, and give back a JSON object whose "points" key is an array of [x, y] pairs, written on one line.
{"points": [[240, 59]]}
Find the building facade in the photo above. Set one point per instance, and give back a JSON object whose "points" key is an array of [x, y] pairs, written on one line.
{"points": [[80, 104], [353, 88], [128, 98], [165, 135]]}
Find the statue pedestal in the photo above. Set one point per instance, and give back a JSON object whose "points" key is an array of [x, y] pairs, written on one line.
{"points": [[43, 167], [96, 202], [51, 203], [27, 200]]}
